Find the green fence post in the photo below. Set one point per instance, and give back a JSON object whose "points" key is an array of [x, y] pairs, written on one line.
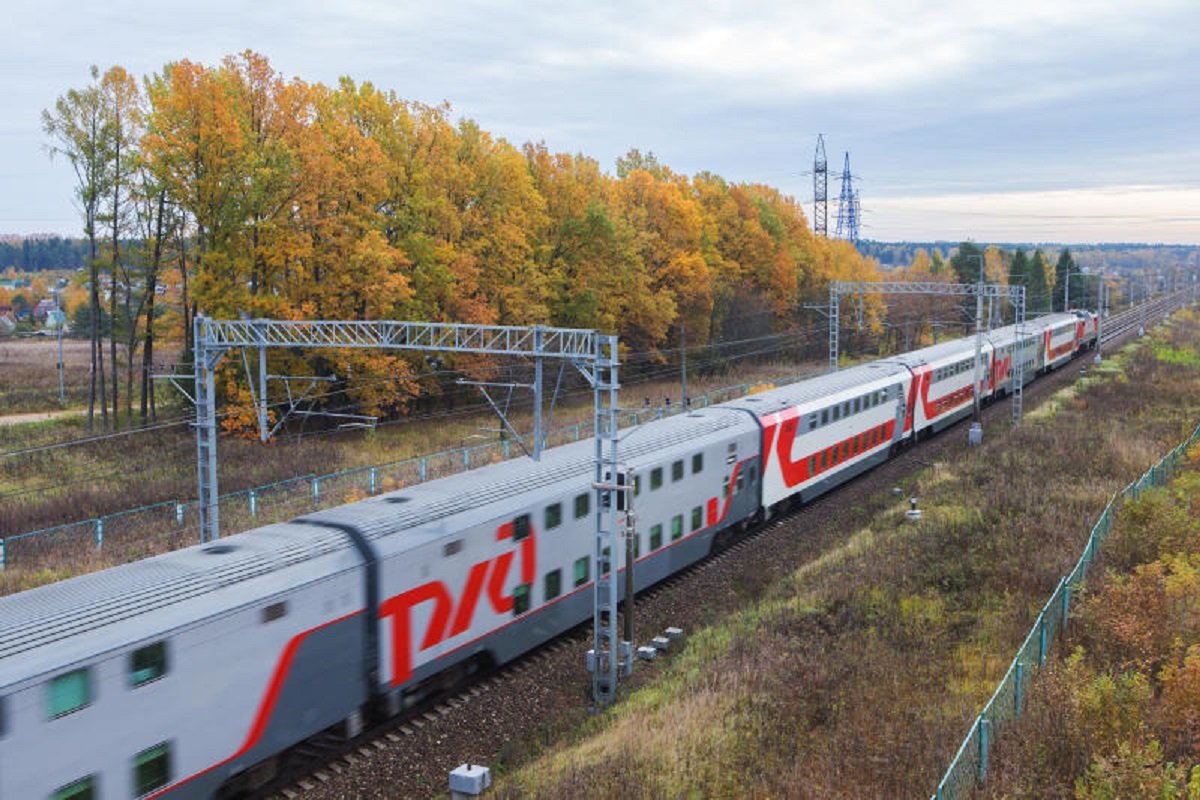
{"points": [[984, 725], [1066, 607], [99, 533], [1041, 640], [1019, 689]]}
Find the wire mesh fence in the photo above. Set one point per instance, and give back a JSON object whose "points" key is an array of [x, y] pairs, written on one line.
{"points": [[969, 766]]}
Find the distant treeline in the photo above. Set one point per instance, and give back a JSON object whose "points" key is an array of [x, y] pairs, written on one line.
{"points": [[35, 254], [1113, 257]]}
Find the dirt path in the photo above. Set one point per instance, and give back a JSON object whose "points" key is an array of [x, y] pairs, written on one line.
{"points": [[37, 416]]}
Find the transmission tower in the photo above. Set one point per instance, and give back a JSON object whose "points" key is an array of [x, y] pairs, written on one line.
{"points": [[846, 202], [854, 216], [820, 189]]}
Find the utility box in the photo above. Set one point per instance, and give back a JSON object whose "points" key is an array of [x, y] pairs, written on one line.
{"points": [[469, 780]]}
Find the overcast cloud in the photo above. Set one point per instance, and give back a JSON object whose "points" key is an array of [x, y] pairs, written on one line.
{"points": [[1025, 120]]}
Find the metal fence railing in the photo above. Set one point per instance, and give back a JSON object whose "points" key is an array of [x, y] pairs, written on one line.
{"points": [[148, 530], [970, 764]]}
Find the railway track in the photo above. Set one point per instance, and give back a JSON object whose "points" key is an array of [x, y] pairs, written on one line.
{"points": [[410, 755]]}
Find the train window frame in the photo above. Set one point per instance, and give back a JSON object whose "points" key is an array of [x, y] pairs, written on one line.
{"points": [[812, 421], [837, 412], [552, 584], [522, 527], [726, 486], [76, 683], [522, 599], [656, 478], [697, 463], [846, 408], [79, 789], [656, 537], [582, 571], [274, 611], [145, 785], [741, 482], [824, 416], [676, 527], [857, 405], [452, 548], [677, 470], [697, 518], [553, 516], [812, 464], [154, 664]]}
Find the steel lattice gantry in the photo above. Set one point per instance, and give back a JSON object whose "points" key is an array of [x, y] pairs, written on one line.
{"points": [[980, 291], [594, 354]]}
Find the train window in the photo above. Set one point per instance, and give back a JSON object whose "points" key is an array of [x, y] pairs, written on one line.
{"points": [[655, 537], [148, 663], [821, 460], [697, 518], [725, 486], [637, 485], [274, 611], [452, 548], [581, 571], [553, 585], [67, 693], [753, 473], [741, 481], [553, 515], [857, 405], [846, 409], [812, 422], [82, 789], [812, 465], [152, 769], [677, 470], [697, 463], [837, 413], [655, 478], [582, 505], [824, 416], [520, 527], [676, 527], [520, 599]]}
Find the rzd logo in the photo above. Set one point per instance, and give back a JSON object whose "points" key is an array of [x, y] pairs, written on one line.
{"points": [[450, 619]]}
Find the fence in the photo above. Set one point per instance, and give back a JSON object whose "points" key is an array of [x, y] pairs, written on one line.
{"points": [[141, 532], [970, 764]]}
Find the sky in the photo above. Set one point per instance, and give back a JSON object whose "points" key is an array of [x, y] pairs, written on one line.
{"points": [[1015, 121]]}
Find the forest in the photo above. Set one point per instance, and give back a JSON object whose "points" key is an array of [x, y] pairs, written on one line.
{"points": [[254, 194]]}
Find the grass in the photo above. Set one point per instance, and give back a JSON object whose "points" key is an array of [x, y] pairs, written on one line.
{"points": [[858, 674]]}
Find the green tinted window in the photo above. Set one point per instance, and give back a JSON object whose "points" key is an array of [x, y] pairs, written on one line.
{"points": [[697, 463], [581, 571], [655, 537], [520, 599], [82, 789], [582, 505], [553, 516], [553, 584], [655, 478], [520, 527], [697, 518], [152, 769], [68, 693], [676, 527], [677, 471], [148, 663]]}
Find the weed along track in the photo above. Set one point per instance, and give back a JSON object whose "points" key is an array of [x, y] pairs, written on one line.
{"points": [[509, 717]]}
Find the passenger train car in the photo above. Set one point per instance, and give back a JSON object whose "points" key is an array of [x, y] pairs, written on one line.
{"points": [[187, 674]]}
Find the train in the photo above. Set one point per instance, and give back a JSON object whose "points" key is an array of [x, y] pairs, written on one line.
{"points": [[190, 674]]}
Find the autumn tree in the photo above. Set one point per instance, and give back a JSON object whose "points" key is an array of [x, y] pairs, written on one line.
{"points": [[77, 128]]}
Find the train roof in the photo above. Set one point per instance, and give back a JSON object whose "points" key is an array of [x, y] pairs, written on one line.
{"points": [[63, 623], [827, 385]]}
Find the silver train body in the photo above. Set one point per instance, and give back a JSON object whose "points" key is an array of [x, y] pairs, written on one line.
{"points": [[185, 675]]}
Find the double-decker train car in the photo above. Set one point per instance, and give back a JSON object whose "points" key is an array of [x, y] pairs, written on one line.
{"points": [[186, 675]]}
